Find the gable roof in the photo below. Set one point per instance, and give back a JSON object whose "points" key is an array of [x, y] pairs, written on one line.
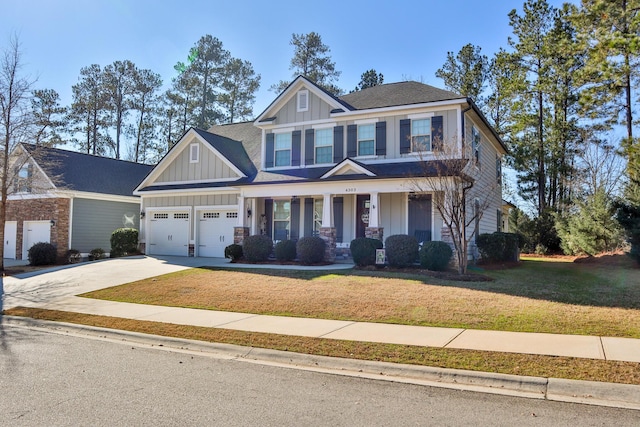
{"points": [[70, 170], [231, 149], [395, 94]]}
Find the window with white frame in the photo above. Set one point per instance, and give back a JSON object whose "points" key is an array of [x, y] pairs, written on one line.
{"points": [[420, 135], [324, 145], [23, 180], [366, 140], [194, 153], [303, 101], [282, 148], [475, 145], [281, 219], [317, 215]]}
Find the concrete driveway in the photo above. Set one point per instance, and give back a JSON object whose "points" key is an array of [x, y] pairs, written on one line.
{"points": [[45, 286]]}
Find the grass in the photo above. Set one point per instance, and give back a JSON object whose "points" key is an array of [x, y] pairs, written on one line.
{"points": [[550, 297], [540, 295], [506, 363]]}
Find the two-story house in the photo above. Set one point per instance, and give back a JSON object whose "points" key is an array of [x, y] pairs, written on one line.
{"points": [[315, 164]]}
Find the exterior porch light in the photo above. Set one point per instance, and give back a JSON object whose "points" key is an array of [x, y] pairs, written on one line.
{"points": [[142, 214], [52, 222], [248, 212]]}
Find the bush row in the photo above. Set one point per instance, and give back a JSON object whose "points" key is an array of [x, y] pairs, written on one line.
{"points": [[258, 248], [496, 247], [401, 251]]}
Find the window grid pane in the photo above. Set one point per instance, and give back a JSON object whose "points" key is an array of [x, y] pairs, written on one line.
{"points": [[366, 148], [366, 140], [421, 135], [324, 145]]}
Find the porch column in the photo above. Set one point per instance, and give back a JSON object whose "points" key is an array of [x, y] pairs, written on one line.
{"points": [[240, 231], [374, 231], [328, 231]]}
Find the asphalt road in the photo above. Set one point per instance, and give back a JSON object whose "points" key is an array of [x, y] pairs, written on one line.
{"points": [[49, 379]]}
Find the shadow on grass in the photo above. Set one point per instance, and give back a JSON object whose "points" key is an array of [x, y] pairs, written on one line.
{"points": [[614, 283]]}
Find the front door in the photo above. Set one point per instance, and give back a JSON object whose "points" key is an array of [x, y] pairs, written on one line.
{"points": [[420, 214], [362, 214]]}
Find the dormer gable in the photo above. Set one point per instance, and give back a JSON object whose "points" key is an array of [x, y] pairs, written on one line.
{"points": [[301, 101], [348, 167]]}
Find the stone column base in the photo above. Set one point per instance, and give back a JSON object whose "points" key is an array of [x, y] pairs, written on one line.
{"points": [[374, 233], [328, 234], [239, 234]]}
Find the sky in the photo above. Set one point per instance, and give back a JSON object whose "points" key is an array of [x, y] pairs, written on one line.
{"points": [[402, 39]]}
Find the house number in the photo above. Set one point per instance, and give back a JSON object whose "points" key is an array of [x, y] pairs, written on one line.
{"points": [[350, 190]]}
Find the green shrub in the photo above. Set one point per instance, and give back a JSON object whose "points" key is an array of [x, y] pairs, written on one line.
{"points": [[233, 251], [257, 248], [73, 256], [124, 241], [435, 255], [42, 254], [401, 250], [363, 250], [310, 250], [96, 254], [497, 247], [285, 250]]}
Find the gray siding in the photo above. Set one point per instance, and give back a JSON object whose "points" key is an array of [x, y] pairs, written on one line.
{"points": [[209, 167], [93, 221]]}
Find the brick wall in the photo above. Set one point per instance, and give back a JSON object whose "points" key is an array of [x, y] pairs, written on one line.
{"points": [[42, 210]]}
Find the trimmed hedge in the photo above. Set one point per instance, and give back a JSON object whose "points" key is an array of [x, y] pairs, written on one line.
{"points": [[42, 254], [435, 255], [363, 250], [498, 246], [285, 250], [257, 248], [233, 251], [124, 241], [310, 250], [401, 250], [96, 254]]}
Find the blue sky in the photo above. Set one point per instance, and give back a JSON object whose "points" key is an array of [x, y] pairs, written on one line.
{"points": [[401, 39]]}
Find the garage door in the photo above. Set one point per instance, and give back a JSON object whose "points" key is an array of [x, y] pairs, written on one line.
{"points": [[169, 233], [10, 232], [215, 232], [35, 232]]}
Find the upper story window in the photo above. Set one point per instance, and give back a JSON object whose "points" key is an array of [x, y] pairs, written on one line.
{"points": [[23, 180], [420, 135], [324, 146], [303, 101], [475, 145], [282, 149], [366, 140], [194, 153]]}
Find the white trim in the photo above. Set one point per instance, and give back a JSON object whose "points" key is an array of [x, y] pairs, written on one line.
{"points": [[70, 230], [324, 125], [195, 181], [421, 116], [365, 121], [216, 208], [436, 106], [349, 164], [100, 196], [289, 129], [191, 192]]}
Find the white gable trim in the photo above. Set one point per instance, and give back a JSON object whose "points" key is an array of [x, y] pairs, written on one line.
{"points": [[300, 83], [184, 143], [37, 165], [347, 164]]}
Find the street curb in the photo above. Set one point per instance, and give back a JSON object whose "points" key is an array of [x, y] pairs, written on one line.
{"points": [[561, 390]]}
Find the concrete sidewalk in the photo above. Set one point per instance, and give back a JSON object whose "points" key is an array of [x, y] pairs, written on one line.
{"points": [[57, 288]]}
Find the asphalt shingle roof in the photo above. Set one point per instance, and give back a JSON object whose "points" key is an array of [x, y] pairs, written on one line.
{"points": [[395, 94], [84, 172]]}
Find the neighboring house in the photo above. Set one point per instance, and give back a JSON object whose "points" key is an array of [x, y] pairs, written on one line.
{"points": [[316, 164], [69, 199]]}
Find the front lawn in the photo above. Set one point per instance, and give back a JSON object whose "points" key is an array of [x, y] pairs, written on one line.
{"points": [[554, 297]]}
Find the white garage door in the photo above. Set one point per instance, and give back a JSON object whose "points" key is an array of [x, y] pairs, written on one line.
{"points": [[10, 232], [169, 233], [215, 232], [35, 232]]}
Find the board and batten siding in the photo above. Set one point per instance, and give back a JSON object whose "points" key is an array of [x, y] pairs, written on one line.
{"points": [[208, 167], [93, 221], [318, 110]]}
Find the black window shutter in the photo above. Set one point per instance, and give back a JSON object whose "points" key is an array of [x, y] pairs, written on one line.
{"points": [[308, 217], [269, 153], [296, 138], [381, 138], [338, 210], [436, 133], [294, 227], [338, 144], [268, 212], [405, 136], [309, 148], [352, 140]]}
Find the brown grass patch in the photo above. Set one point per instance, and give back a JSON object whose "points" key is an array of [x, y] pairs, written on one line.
{"points": [[392, 298], [506, 363]]}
